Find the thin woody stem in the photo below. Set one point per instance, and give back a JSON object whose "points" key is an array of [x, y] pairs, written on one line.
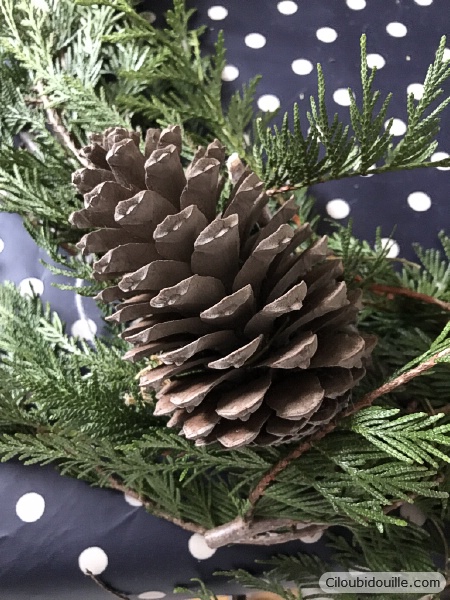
{"points": [[106, 587], [69, 248], [60, 131], [387, 387], [399, 291], [348, 174], [365, 401]]}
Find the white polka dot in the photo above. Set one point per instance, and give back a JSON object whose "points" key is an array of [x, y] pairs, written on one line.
{"points": [[398, 127], [338, 208], [416, 89], [423, 2], [411, 512], [199, 548], [326, 34], [132, 501], [30, 286], [268, 102], [287, 7], [302, 66], [419, 201], [255, 40], [375, 60], [217, 13], [342, 97], [151, 595], [392, 247], [84, 328], [440, 156], [93, 559], [2, 245], [230, 73], [446, 54], [396, 29], [356, 4], [30, 507], [312, 538]]}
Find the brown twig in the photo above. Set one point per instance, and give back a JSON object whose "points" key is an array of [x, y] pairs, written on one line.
{"points": [[364, 402], [69, 249], [60, 131], [389, 386], [116, 485], [281, 190], [350, 174], [281, 465], [399, 291], [105, 586]]}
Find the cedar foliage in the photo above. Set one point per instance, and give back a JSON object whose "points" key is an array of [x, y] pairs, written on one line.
{"points": [[68, 69]]}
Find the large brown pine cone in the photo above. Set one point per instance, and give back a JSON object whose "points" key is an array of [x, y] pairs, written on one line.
{"points": [[255, 331]]}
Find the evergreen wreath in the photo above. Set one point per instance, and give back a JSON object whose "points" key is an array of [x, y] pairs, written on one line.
{"points": [[70, 70]]}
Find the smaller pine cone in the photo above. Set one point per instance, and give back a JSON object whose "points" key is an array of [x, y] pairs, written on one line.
{"points": [[253, 326]]}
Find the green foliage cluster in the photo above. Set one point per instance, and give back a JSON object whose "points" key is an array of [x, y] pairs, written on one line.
{"points": [[333, 150], [71, 68]]}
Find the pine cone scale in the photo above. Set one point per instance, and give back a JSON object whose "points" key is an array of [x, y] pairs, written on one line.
{"points": [[217, 340], [176, 234], [156, 275], [142, 213], [127, 163], [164, 174], [191, 295]]}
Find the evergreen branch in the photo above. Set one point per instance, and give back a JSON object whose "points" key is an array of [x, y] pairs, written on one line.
{"points": [[289, 160], [60, 131], [203, 593], [114, 484], [176, 83], [407, 438], [404, 549], [283, 188], [268, 582]]}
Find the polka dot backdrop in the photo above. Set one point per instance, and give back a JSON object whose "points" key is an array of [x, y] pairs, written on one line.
{"points": [[54, 529], [283, 41]]}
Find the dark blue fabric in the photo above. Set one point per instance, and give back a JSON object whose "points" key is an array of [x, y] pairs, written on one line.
{"points": [[380, 200], [40, 559]]}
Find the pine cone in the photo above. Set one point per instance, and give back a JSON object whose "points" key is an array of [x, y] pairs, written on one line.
{"points": [[255, 332]]}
